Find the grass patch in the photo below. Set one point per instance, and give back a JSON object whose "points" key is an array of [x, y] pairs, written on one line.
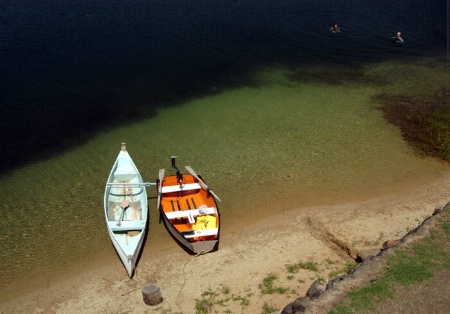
{"points": [[268, 285], [312, 266], [364, 298], [405, 267], [243, 301], [221, 298], [268, 309], [345, 270], [205, 304]]}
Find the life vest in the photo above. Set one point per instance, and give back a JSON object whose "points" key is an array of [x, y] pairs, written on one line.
{"points": [[205, 222]]}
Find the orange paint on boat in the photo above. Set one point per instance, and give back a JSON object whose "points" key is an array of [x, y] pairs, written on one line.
{"points": [[190, 209]]}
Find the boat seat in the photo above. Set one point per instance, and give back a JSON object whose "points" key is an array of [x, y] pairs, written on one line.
{"points": [[184, 187], [202, 233], [192, 212], [125, 170], [136, 190], [126, 225], [118, 190]]}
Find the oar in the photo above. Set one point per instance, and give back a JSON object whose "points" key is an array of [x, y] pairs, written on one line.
{"points": [[161, 177], [204, 186], [124, 205]]}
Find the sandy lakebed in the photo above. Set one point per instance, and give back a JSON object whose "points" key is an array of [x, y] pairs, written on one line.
{"points": [[330, 237]]}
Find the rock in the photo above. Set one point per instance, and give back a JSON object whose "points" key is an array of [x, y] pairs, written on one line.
{"points": [[364, 254], [288, 309], [152, 295], [334, 281], [438, 210], [299, 305], [314, 291], [389, 243]]}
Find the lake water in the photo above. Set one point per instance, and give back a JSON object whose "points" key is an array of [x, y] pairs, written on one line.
{"points": [[259, 97]]}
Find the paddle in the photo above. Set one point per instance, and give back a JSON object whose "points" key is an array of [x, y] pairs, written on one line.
{"points": [[124, 205], [161, 177], [204, 186]]}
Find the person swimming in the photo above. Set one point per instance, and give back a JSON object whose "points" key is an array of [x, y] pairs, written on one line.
{"points": [[398, 38], [335, 28]]}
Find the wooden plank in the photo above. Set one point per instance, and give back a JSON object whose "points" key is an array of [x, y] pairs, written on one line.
{"points": [[185, 213], [202, 233], [176, 188], [126, 225]]}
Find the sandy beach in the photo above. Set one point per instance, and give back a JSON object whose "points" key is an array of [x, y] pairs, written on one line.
{"points": [[329, 237]]}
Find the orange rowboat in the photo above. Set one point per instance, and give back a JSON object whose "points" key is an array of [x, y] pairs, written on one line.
{"points": [[189, 210]]}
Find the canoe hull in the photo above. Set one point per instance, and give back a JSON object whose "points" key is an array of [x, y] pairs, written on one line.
{"points": [[123, 248], [126, 210]]}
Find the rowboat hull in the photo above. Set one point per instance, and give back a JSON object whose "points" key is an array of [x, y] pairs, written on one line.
{"points": [[198, 247], [190, 213], [126, 210]]}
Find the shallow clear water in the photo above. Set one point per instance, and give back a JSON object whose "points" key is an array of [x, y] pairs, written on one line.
{"points": [[277, 146], [278, 117]]}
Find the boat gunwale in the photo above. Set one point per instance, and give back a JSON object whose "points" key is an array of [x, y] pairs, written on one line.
{"points": [[174, 231], [128, 260]]}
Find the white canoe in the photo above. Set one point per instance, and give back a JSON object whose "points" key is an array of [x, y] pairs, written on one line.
{"points": [[126, 210]]}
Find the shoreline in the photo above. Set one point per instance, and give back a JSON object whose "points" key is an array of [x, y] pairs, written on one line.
{"points": [[248, 254]]}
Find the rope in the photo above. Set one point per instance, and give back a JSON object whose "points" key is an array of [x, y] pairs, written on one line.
{"points": [[182, 286], [132, 291], [184, 281]]}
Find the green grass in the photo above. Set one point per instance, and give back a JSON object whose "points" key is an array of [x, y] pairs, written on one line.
{"points": [[312, 266], [243, 301], [348, 266], [405, 267], [268, 309], [205, 304], [222, 298], [268, 285]]}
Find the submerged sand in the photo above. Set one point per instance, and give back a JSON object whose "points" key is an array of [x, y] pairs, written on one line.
{"points": [[330, 236]]}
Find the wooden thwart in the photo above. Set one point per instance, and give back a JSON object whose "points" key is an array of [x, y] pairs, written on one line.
{"points": [[177, 188], [186, 213]]}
